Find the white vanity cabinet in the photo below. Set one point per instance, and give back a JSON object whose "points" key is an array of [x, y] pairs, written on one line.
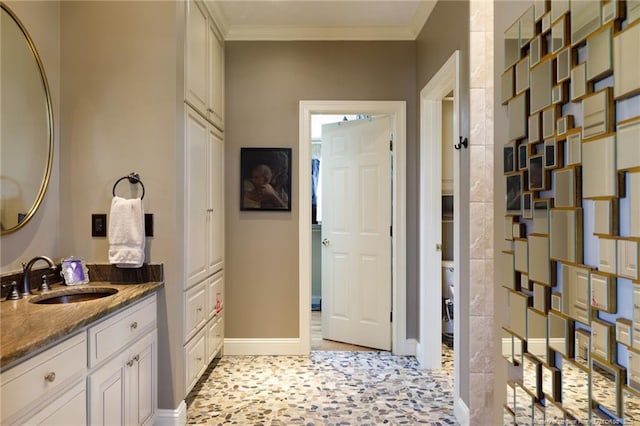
{"points": [[106, 373], [204, 64]]}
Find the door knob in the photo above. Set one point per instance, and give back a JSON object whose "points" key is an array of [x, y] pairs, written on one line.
{"points": [[326, 242]]}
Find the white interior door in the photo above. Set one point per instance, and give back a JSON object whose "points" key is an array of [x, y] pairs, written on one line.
{"points": [[356, 212]]}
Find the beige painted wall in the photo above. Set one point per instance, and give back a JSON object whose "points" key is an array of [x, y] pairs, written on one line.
{"points": [[122, 112], [41, 234], [264, 83]]}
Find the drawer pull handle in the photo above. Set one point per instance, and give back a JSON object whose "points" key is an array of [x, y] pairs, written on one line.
{"points": [[134, 325], [130, 363], [50, 377], [199, 358], [199, 309], [132, 360]]}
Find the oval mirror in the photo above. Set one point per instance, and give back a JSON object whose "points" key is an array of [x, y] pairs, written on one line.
{"points": [[26, 126]]}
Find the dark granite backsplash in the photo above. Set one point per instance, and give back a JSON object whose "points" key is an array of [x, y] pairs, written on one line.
{"points": [[97, 272]]}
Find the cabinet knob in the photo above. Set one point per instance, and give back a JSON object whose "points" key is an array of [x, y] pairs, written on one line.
{"points": [[50, 377], [130, 363], [134, 325], [199, 358], [199, 309]]}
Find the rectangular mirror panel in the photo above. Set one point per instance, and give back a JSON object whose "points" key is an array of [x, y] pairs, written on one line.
{"points": [[525, 283], [603, 217], [519, 303], [605, 386], [633, 194], [534, 128], [509, 158], [512, 45], [524, 407], [582, 344], [541, 297], [558, 9], [522, 75], [599, 174], [627, 259], [551, 382], [549, 122], [599, 58], [541, 217], [623, 331], [511, 396], [517, 111], [607, 260], [531, 376], [507, 86], [578, 81], [565, 192], [540, 85], [597, 114], [603, 292], [575, 295], [563, 65], [508, 228], [521, 256], [527, 205], [537, 334], [565, 235], [625, 66], [527, 26], [539, 260], [556, 301], [628, 148], [535, 51], [585, 19], [537, 175], [634, 370], [518, 350], [523, 156], [633, 10], [601, 340], [559, 334], [631, 405], [574, 148], [553, 414], [558, 34], [574, 398], [508, 270], [508, 417], [513, 195], [507, 345]]}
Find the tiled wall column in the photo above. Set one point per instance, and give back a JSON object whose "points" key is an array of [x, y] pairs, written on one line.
{"points": [[481, 367]]}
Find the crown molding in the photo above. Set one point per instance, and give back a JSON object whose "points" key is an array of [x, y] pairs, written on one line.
{"points": [[299, 33]]}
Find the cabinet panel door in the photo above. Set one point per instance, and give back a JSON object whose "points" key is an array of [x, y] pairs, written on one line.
{"points": [[197, 197], [107, 394], [141, 381], [215, 210], [196, 56], [216, 78]]}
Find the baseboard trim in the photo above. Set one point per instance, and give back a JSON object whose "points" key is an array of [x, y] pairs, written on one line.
{"points": [[461, 412], [235, 346], [177, 417]]}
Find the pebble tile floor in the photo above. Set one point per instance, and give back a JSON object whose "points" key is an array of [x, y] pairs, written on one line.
{"points": [[325, 388]]}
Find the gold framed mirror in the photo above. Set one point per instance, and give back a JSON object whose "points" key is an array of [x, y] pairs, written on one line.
{"points": [[26, 126]]}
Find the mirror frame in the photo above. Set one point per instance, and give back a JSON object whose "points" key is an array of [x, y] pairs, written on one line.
{"points": [[47, 173]]}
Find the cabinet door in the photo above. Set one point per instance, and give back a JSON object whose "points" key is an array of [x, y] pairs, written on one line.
{"points": [[196, 56], [215, 209], [140, 384], [107, 393], [216, 78], [196, 197]]}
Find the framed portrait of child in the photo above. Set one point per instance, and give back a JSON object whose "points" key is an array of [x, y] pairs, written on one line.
{"points": [[265, 181]]}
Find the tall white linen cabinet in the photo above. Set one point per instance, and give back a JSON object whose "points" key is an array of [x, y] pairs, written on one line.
{"points": [[203, 292]]}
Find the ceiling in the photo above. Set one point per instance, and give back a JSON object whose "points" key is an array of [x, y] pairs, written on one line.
{"points": [[321, 19]]}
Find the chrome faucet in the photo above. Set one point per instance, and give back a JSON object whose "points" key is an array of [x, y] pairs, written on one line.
{"points": [[25, 288]]}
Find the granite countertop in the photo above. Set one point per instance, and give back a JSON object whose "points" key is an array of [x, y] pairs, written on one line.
{"points": [[28, 327]]}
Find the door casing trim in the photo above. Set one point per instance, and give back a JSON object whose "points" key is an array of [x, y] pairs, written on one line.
{"points": [[397, 109]]}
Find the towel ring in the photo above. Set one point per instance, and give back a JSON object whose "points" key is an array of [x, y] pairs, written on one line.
{"points": [[133, 179]]}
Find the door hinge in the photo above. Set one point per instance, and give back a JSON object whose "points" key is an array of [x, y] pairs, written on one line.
{"points": [[391, 231], [391, 145], [390, 316]]}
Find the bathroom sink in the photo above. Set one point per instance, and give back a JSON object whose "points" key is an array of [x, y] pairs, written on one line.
{"points": [[73, 295]]}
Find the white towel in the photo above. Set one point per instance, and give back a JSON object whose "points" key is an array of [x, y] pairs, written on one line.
{"points": [[126, 233]]}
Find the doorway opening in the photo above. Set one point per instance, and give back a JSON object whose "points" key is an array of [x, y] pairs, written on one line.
{"points": [[397, 112], [439, 218], [350, 220]]}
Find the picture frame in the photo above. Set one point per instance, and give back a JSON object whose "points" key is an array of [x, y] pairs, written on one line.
{"points": [[74, 271], [265, 179]]}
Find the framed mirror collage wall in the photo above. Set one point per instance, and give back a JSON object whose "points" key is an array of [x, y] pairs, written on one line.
{"points": [[571, 165]]}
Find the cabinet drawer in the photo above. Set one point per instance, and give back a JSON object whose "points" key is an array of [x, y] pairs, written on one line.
{"points": [[30, 382], [215, 295], [195, 310], [215, 336], [69, 410], [117, 332], [195, 355]]}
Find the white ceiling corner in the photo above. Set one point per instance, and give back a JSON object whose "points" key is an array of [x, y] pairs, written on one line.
{"points": [[320, 19]]}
